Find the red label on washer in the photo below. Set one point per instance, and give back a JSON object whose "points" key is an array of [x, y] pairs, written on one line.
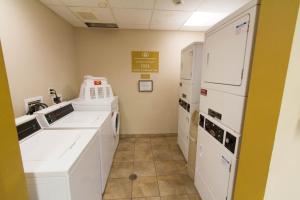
{"points": [[203, 92], [97, 82]]}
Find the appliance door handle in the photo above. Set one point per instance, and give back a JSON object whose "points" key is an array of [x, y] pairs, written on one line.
{"points": [[225, 160], [200, 150]]}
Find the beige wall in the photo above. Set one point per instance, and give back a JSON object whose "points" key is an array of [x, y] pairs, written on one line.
{"points": [[108, 53], [39, 51], [284, 174]]}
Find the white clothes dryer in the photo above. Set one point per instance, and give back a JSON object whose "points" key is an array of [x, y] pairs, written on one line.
{"points": [[227, 66], [59, 164], [63, 116]]}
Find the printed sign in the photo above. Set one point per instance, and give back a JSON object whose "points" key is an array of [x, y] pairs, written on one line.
{"points": [[145, 61], [145, 76]]}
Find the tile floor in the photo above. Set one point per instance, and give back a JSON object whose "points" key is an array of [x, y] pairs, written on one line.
{"points": [[160, 167]]}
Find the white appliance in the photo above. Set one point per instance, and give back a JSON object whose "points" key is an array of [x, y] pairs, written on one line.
{"points": [[95, 88], [189, 91], [216, 159], [226, 69], [59, 164], [106, 103], [63, 116]]}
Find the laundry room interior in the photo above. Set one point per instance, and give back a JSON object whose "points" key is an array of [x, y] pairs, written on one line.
{"points": [[149, 100]]}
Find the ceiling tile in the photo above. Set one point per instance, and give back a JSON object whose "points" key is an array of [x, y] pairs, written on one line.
{"points": [[132, 17], [221, 6], [52, 2], [187, 5], [169, 18], [164, 27], [138, 4], [100, 15], [83, 3], [65, 13], [133, 26]]}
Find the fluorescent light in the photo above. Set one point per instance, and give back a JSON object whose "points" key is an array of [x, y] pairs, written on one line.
{"points": [[204, 19]]}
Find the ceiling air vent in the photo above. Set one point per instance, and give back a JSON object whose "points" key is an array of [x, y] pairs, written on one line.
{"points": [[102, 25]]}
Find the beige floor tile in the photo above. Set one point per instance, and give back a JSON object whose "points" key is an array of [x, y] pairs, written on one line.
{"points": [[179, 197], [142, 146], [145, 187], [194, 197], [123, 156], [177, 154], [147, 198], [189, 185], [171, 185], [162, 154], [126, 146], [121, 169], [144, 168], [145, 155], [142, 140], [161, 147], [118, 189], [164, 168], [127, 139], [158, 141], [181, 167]]}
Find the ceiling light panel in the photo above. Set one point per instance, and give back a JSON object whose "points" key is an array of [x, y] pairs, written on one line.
{"points": [[187, 5], [83, 3], [96, 15], [204, 19], [132, 17], [65, 13], [136, 4], [170, 18]]}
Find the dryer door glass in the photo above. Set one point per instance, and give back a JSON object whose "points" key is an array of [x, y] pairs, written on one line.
{"points": [[224, 59]]}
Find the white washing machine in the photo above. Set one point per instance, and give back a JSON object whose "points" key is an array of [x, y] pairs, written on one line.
{"points": [[227, 65], [59, 164], [107, 104], [97, 95], [63, 116], [216, 160]]}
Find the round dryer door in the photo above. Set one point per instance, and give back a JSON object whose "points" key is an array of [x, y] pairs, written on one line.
{"points": [[116, 123]]}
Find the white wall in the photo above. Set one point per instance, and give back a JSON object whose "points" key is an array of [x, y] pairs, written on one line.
{"points": [[108, 53], [39, 52], [284, 174]]}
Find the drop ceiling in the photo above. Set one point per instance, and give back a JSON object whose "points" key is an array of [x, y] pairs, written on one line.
{"points": [[140, 14]]}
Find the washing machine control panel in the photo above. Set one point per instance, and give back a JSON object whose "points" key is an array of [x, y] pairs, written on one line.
{"points": [[59, 113], [226, 138], [214, 130], [186, 106], [28, 128], [230, 142]]}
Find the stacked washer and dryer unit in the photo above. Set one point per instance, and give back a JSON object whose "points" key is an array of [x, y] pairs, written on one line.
{"points": [[190, 74], [226, 70]]}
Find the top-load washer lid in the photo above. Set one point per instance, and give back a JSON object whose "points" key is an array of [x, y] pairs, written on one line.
{"points": [[107, 104], [63, 116], [82, 119], [50, 152]]}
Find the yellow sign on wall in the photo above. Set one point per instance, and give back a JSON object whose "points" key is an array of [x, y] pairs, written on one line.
{"points": [[145, 61]]}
